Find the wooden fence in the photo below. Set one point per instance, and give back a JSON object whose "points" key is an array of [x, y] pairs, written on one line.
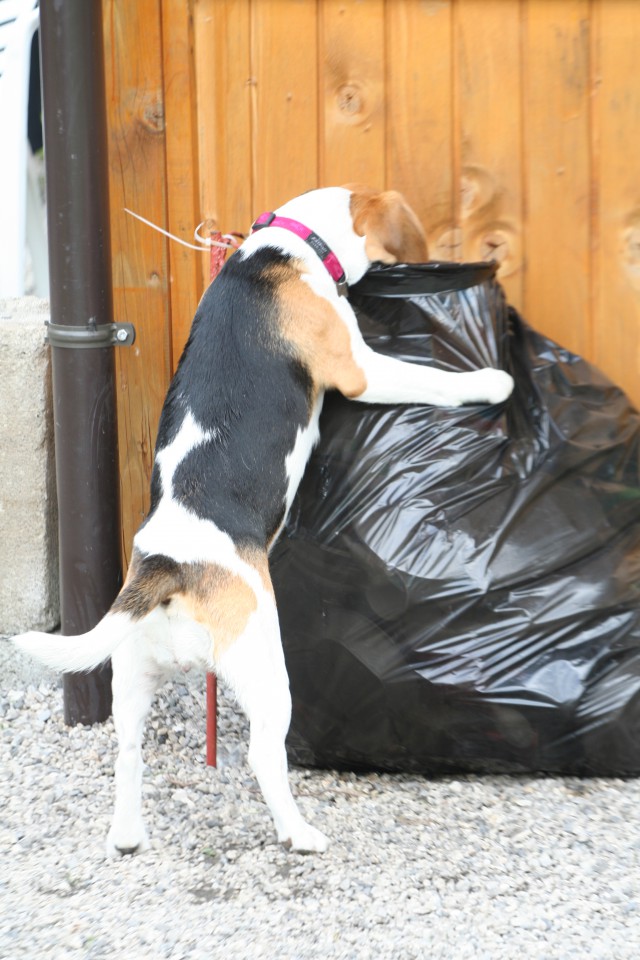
{"points": [[512, 126]]}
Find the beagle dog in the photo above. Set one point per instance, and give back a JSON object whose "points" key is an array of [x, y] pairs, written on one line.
{"points": [[272, 333]]}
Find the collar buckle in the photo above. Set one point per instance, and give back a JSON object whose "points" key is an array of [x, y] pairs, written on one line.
{"points": [[264, 220]]}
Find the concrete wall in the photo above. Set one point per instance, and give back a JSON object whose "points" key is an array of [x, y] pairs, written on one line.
{"points": [[29, 592]]}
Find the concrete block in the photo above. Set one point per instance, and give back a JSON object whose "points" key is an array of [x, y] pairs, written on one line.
{"points": [[29, 583]]}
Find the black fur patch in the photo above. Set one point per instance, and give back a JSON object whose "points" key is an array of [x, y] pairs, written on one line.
{"points": [[243, 383]]}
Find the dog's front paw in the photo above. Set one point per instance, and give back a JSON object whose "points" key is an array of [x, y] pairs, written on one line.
{"points": [[305, 839], [121, 842], [489, 386]]}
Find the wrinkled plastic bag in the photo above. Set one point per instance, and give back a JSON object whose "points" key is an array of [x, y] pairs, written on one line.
{"points": [[459, 589]]}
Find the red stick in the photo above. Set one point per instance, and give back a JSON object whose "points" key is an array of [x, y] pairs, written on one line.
{"points": [[212, 711]]}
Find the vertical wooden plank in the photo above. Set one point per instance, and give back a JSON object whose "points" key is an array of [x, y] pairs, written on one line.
{"points": [[223, 92], [285, 100], [616, 123], [352, 65], [489, 106], [557, 170], [419, 122], [183, 205], [137, 164]]}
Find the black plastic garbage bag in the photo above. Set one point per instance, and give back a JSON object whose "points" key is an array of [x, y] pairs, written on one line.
{"points": [[459, 589]]}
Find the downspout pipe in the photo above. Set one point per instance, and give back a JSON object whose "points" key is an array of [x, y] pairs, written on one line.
{"points": [[83, 374]]}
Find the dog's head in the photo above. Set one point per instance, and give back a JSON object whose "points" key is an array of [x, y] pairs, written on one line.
{"points": [[392, 231]]}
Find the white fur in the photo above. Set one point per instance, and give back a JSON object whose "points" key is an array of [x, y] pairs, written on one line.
{"points": [[136, 677], [165, 641], [254, 667], [296, 461], [394, 381], [255, 670], [175, 531], [328, 213], [83, 652], [189, 436]]}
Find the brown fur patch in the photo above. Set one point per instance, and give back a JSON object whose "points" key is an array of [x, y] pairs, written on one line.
{"points": [[392, 230], [218, 599], [318, 334]]}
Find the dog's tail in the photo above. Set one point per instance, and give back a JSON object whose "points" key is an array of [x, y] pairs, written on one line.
{"points": [[151, 581], [82, 652]]}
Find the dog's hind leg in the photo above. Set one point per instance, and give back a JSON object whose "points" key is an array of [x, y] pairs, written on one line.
{"points": [[136, 677], [255, 669]]}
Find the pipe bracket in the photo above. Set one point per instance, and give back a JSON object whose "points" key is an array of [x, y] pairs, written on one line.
{"points": [[90, 336]]}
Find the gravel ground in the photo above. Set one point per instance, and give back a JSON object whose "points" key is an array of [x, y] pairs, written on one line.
{"points": [[481, 867]]}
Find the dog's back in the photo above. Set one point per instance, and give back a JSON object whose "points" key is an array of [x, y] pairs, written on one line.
{"points": [[250, 395]]}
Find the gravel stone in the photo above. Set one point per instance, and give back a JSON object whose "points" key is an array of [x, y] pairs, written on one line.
{"points": [[485, 868]]}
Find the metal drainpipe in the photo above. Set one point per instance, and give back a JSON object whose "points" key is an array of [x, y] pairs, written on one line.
{"points": [[80, 332]]}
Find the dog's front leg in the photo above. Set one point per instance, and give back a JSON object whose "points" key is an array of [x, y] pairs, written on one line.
{"points": [[362, 374], [395, 381]]}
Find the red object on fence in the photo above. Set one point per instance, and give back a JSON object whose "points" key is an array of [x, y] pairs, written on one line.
{"points": [[217, 255]]}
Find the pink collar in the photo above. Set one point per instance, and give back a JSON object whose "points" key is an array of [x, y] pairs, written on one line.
{"points": [[316, 243]]}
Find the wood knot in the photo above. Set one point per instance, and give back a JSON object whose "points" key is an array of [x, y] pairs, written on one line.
{"points": [[499, 241], [349, 99], [494, 246], [631, 253], [477, 190], [468, 194], [448, 246], [152, 115], [208, 226], [633, 244]]}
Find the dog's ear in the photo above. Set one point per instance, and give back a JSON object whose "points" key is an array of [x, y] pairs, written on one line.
{"points": [[392, 231]]}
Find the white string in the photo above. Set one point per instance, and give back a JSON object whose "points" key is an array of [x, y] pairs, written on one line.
{"points": [[203, 241], [231, 245]]}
